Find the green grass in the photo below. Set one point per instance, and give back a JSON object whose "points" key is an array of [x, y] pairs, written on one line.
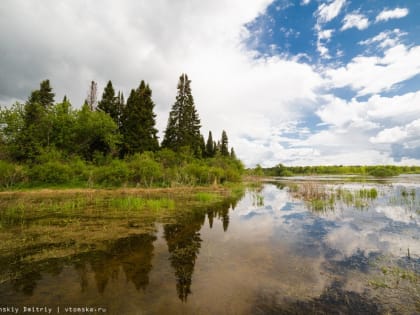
{"points": [[206, 197]]}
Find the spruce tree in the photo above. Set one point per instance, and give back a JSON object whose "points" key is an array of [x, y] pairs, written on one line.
{"points": [[232, 153], [36, 130], [224, 149], [138, 122], [45, 94], [120, 108], [183, 127], [111, 104], [210, 148]]}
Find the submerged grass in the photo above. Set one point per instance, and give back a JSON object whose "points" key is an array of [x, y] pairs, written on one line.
{"points": [[320, 197]]}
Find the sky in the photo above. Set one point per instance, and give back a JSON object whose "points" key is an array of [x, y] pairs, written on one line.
{"points": [[303, 82]]}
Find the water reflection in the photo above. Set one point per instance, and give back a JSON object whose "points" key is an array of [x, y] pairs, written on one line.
{"points": [[129, 256], [270, 252]]}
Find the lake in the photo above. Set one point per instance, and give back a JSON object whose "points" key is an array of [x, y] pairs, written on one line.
{"points": [[303, 245]]}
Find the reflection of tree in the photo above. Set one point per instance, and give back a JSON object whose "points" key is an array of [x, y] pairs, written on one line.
{"points": [[26, 274], [134, 254], [221, 211], [184, 244]]}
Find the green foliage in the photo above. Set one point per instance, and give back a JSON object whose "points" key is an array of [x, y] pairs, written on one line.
{"points": [[94, 132], [144, 169], [57, 144], [138, 122], [51, 172], [11, 126], [379, 171], [383, 171], [10, 174], [114, 174]]}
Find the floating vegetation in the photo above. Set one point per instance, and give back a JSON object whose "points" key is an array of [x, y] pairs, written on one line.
{"points": [[206, 197], [320, 197]]}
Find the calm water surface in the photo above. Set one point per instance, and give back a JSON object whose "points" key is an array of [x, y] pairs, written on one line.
{"points": [[349, 248]]}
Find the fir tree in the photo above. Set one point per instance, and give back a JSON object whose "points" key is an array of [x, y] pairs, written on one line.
{"points": [[138, 122], [111, 104], [224, 149], [183, 127], [210, 147]]}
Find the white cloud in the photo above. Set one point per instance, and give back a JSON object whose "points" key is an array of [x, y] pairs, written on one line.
{"points": [[305, 2], [385, 39], [328, 12], [233, 90], [325, 34], [398, 134], [396, 13], [369, 75], [252, 97], [356, 20], [390, 135], [324, 14]]}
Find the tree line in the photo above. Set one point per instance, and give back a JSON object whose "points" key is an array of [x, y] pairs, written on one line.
{"points": [[107, 131], [372, 170]]}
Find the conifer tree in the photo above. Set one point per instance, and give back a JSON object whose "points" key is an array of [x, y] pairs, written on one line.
{"points": [[224, 149], [183, 127], [210, 148], [138, 122], [111, 104], [232, 153], [120, 108], [45, 94], [202, 147], [37, 127]]}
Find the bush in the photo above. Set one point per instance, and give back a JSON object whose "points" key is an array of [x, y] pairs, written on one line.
{"points": [[383, 171], [114, 174], [10, 174], [52, 172], [144, 170]]}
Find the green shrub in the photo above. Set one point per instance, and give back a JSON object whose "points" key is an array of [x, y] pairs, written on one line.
{"points": [[10, 174], [383, 171], [114, 174], [144, 170], [52, 172]]}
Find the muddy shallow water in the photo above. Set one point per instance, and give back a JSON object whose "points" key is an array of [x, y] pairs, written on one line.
{"points": [[291, 246]]}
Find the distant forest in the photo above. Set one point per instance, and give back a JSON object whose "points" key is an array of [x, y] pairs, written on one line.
{"points": [[372, 170], [110, 142]]}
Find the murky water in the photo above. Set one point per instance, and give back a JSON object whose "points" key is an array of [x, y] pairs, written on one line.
{"points": [[293, 246]]}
